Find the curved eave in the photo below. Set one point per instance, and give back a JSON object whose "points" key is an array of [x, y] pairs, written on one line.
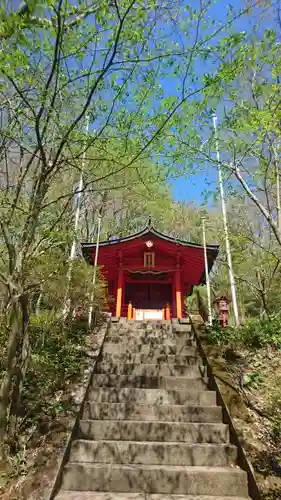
{"points": [[148, 230]]}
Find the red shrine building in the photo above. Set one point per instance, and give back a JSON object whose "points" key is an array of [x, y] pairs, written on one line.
{"points": [[149, 273]]}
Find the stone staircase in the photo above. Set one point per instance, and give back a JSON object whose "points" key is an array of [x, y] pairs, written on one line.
{"points": [[151, 428]]}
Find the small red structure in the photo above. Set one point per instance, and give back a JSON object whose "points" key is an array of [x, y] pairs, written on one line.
{"points": [[150, 273], [223, 308]]}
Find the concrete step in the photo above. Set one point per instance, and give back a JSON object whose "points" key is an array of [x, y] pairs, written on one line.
{"points": [[133, 430], [156, 323], [152, 396], [103, 380], [181, 328], [145, 412], [142, 337], [172, 349], [142, 452], [129, 357], [137, 329], [97, 495], [134, 325], [190, 480], [152, 340], [175, 333], [149, 370]]}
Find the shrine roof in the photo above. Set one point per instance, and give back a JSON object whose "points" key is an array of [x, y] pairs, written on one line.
{"points": [[192, 254], [148, 231]]}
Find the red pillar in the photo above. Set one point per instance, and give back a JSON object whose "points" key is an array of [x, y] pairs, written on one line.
{"points": [[119, 293], [174, 306], [168, 312], [178, 293], [130, 311]]}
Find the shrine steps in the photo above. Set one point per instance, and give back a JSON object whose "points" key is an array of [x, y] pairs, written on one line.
{"points": [[179, 480], [165, 432], [127, 348], [146, 452], [151, 413], [180, 359], [149, 382], [149, 370], [70, 495], [151, 429], [153, 396]]}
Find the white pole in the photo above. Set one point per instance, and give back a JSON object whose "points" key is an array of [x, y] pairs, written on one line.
{"points": [[278, 200], [94, 274], [210, 319], [226, 236], [72, 255], [277, 173], [278, 203]]}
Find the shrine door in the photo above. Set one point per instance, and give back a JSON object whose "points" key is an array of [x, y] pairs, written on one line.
{"points": [[148, 295]]}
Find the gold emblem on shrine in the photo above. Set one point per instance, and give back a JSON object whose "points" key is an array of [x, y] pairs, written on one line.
{"points": [[149, 243]]}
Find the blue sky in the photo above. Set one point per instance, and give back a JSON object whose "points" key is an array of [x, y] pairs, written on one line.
{"points": [[195, 186]]}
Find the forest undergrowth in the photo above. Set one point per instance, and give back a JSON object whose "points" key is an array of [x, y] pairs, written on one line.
{"points": [[247, 365]]}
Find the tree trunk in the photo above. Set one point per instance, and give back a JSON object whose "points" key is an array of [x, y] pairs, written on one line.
{"points": [[262, 292], [23, 358], [13, 324]]}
